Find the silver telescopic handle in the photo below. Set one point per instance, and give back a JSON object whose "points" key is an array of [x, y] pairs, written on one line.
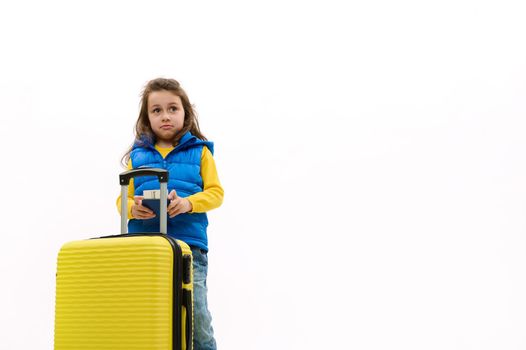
{"points": [[124, 209], [163, 220], [125, 178]]}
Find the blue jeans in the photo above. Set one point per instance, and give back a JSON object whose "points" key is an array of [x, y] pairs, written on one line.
{"points": [[203, 332]]}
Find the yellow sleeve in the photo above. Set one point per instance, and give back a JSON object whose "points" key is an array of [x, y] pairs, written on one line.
{"points": [[131, 191], [212, 195]]}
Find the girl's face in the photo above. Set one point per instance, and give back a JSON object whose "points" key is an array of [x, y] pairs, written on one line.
{"points": [[166, 115]]}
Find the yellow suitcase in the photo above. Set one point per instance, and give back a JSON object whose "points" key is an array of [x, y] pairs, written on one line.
{"points": [[131, 291]]}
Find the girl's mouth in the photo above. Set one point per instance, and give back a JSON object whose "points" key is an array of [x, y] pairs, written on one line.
{"points": [[166, 127]]}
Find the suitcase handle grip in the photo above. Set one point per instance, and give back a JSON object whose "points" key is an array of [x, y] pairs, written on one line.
{"points": [[126, 176]]}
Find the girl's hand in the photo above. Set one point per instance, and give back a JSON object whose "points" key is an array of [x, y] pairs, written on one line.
{"points": [[178, 205], [139, 211]]}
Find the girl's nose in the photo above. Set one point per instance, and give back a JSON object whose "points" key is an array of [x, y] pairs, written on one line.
{"points": [[165, 116]]}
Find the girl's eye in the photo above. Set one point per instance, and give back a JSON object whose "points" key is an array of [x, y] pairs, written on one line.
{"points": [[156, 110], [173, 109]]}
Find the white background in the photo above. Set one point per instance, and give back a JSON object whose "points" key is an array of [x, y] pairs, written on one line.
{"points": [[372, 155]]}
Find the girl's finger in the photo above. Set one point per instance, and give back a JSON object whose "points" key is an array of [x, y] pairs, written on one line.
{"points": [[143, 212], [146, 216], [172, 212], [175, 203], [175, 210], [144, 209]]}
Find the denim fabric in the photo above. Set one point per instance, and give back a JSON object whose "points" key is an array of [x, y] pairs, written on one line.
{"points": [[203, 332]]}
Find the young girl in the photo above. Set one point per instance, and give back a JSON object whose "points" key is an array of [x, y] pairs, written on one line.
{"points": [[167, 136]]}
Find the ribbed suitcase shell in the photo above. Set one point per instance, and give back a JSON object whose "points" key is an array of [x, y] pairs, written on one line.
{"points": [[118, 293]]}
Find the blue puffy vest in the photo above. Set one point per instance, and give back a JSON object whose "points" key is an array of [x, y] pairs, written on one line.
{"points": [[184, 166]]}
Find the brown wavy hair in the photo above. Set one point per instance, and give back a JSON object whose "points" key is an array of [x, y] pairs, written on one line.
{"points": [[143, 129]]}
